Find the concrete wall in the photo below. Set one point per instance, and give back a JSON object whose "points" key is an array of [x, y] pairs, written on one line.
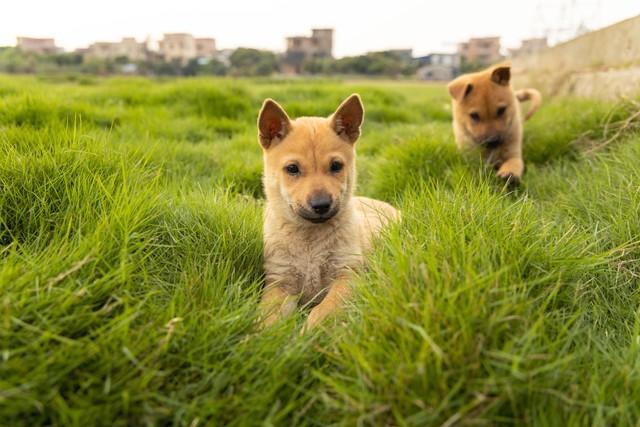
{"points": [[603, 63]]}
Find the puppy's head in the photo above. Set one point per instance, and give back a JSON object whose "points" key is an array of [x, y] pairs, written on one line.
{"points": [[309, 163], [484, 104]]}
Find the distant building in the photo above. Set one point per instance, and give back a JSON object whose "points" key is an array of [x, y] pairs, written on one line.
{"points": [[205, 47], [481, 51], [128, 48], [37, 45], [438, 66], [299, 48], [529, 47], [178, 47], [320, 44], [183, 47]]}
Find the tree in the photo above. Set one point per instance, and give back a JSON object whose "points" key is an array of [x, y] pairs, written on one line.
{"points": [[253, 62], [208, 67], [386, 63]]}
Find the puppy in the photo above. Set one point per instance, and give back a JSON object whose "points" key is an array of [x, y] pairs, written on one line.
{"points": [[315, 231], [486, 114]]}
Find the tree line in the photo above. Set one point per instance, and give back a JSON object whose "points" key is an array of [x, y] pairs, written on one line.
{"points": [[242, 62]]}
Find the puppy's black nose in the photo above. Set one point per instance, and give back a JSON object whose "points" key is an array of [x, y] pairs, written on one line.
{"points": [[320, 204], [493, 141]]}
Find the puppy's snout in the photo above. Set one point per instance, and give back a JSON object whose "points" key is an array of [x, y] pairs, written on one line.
{"points": [[320, 203], [493, 141]]}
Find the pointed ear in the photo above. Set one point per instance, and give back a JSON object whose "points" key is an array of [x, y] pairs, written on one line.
{"points": [[501, 74], [459, 89], [347, 119], [273, 123]]}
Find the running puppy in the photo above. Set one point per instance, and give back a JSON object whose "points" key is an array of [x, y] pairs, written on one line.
{"points": [[486, 114], [315, 231]]}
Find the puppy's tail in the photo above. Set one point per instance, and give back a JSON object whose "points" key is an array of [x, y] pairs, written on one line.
{"points": [[530, 95]]}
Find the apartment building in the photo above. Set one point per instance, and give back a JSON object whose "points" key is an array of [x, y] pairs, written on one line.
{"points": [[438, 66], [481, 51], [205, 47], [37, 45], [300, 48], [183, 47], [128, 47]]}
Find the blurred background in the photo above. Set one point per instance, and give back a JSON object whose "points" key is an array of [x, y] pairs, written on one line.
{"points": [[406, 39]]}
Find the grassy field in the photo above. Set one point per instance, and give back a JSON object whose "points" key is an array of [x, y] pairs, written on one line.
{"points": [[131, 266]]}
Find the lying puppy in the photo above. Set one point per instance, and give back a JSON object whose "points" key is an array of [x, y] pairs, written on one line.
{"points": [[486, 114], [315, 230]]}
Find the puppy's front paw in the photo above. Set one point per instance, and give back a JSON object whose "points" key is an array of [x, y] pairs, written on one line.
{"points": [[511, 171], [267, 321], [510, 179], [312, 321]]}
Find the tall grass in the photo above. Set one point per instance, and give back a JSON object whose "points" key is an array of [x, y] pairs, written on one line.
{"points": [[130, 265]]}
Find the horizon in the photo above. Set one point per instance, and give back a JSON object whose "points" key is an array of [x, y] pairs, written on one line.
{"points": [[411, 23]]}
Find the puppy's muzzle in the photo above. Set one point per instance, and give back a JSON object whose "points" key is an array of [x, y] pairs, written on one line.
{"points": [[321, 208], [492, 141]]}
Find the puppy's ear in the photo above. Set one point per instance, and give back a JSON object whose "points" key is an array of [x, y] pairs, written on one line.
{"points": [[273, 123], [347, 119], [459, 89], [501, 74]]}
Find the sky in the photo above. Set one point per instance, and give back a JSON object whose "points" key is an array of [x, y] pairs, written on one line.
{"points": [[360, 26]]}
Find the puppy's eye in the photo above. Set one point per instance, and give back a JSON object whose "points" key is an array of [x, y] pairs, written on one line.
{"points": [[336, 166], [475, 117], [292, 169], [501, 111]]}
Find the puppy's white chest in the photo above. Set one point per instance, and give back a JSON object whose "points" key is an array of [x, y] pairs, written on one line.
{"points": [[314, 272], [307, 266]]}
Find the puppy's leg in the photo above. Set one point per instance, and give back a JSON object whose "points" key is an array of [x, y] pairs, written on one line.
{"points": [[276, 304], [339, 292], [511, 170]]}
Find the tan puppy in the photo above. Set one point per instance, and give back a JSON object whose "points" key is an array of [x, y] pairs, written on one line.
{"points": [[486, 114], [315, 230]]}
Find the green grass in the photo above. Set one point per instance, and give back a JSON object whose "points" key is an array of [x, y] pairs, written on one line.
{"points": [[131, 265]]}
